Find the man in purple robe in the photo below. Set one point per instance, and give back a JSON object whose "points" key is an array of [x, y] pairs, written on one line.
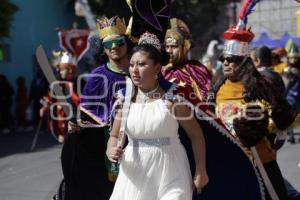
{"points": [[84, 166]]}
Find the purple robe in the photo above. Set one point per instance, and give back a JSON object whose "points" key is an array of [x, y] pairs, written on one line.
{"points": [[97, 97]]}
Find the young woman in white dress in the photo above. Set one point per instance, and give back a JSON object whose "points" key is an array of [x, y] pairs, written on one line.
{"points": [[154, 164]]}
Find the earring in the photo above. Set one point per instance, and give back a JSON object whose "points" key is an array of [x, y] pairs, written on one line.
{"points": [[156, 76]]}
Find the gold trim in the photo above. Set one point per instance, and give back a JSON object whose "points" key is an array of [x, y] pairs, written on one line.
{"points": [[102, 124], [112, 26]]}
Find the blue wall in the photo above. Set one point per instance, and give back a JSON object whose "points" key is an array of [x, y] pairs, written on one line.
{"points": [[34, 24]]}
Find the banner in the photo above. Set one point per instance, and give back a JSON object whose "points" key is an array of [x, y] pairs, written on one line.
{"points": [[74, 41]]}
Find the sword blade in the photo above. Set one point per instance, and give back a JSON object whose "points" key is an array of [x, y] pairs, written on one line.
{"points": [[47, 70]]}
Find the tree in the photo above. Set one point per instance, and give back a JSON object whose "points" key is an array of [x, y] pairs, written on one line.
{"points": [[200, 15], [203, 18], [7, 11]]}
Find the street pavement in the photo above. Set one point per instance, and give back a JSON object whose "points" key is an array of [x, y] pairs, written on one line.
{"points": [[289, 163], [26, 175]]}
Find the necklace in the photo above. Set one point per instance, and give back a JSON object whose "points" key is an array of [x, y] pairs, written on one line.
{"points": [[145, 96]]}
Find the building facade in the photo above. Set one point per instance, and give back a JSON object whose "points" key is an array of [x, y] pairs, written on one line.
{"points": [[274, 17]]}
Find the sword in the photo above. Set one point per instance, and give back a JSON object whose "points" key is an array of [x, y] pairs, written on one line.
{"points": [[47, 70], [57, 90], [127, 101], [125, 111], [36, 135]]}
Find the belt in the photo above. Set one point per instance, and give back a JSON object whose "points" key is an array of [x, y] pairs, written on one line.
{"points": [[156, 142]]}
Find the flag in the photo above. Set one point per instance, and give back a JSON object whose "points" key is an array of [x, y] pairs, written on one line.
{"points": [[74, 41]]}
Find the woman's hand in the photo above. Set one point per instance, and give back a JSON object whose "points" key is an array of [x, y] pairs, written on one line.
{"points": [[114, 153], [200, 180]]}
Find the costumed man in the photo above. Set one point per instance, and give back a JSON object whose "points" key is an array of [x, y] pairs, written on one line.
{"points": [[292, 56], [277, 63], [66, 67], [291, 79], [180, 70], [83, 156], [250, 106], [292, 93]]}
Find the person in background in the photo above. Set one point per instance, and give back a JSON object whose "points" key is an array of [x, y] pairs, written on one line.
{"points": [[21, 100], [7, 92], [262, 59], [180, 69], [278, 63], [293, 91], [39, 88], [293, 54], [56, 115]]}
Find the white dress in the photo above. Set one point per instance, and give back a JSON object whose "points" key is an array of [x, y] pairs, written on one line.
{"points": [[154, 165]]}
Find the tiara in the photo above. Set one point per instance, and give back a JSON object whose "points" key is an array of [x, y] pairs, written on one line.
{"points": [[112, 26], [149, 38]]}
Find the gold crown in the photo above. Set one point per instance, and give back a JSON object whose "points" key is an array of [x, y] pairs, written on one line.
{"points": [[178, 30], [179, 33], [112, 26]]}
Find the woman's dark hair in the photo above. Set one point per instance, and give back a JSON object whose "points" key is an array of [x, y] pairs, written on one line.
{"points": [[153, 53]]}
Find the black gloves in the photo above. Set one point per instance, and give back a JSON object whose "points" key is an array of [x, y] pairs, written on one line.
{"points": [[252, 126]]}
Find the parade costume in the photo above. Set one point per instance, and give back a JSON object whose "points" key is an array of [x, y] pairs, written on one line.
{"points": [[148, 16], [154, 163], [65, 64], [180, 70], [230, 171], [236, 96], [83, 156], [146, 171]]}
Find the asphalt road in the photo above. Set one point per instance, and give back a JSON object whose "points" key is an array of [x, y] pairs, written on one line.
{"points": [[26, 175], [289, 163]]}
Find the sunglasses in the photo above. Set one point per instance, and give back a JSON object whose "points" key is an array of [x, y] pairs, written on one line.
{"points": [[231, 59], [119, 41]]}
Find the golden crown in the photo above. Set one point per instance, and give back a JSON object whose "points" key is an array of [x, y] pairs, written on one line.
{"points": [[178, 30], [112, 26]]}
